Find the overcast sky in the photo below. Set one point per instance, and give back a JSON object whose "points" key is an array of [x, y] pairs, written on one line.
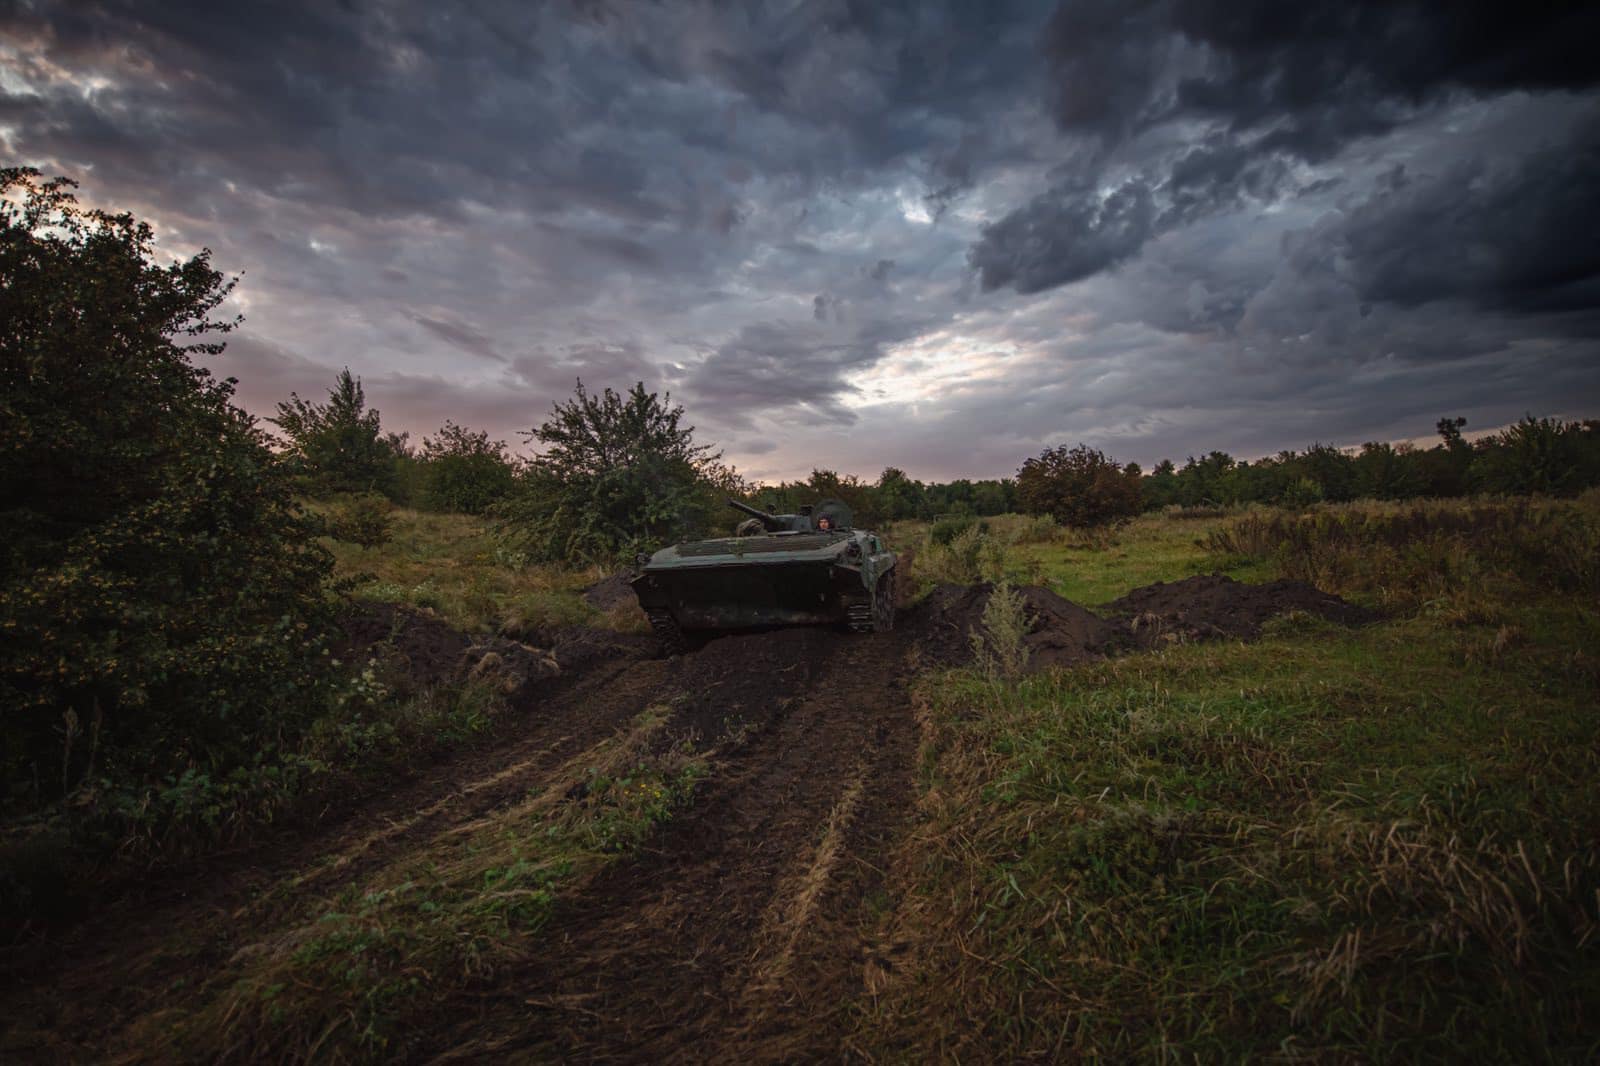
{"points": [[853, 235]]}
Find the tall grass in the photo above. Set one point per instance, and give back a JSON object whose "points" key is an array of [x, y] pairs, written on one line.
{"points": [[1416, 551], [1331, 845]]}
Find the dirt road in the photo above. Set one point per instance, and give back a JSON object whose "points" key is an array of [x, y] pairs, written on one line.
{"points": [[742, 929], [737, 928]]}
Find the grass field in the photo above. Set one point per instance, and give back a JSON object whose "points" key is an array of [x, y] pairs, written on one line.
{"points": [[1329, 844], [455, 566]]}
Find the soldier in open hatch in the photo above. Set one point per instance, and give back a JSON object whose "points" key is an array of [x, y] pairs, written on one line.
{"points": [[824, 524]]}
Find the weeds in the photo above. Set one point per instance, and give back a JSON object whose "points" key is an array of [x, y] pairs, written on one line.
{"points": [[973, 556], [1332, 844], [1419, 552], [998, 650]]}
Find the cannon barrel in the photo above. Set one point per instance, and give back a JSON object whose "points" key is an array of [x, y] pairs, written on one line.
{"points": [[772, 522]]}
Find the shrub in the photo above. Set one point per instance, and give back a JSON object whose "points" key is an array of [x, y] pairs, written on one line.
{"points": [[947, 528], [365, 520], [970, 557], [161, 594], [1301, 493], [339, 446], [619, 475], [465, 471], [1079, 487]]}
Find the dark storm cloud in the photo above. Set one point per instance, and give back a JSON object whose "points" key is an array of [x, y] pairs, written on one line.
{"points": [[1065, 235], [853, 234], [1186, 107], [1501, 234], [778, 364]]}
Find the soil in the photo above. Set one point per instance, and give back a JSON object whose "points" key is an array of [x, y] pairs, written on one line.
{"points": [[1214, 606], [744, 929], [615, 591]]}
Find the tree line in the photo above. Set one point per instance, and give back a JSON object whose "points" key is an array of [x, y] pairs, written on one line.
{"points": [[617, 473]]}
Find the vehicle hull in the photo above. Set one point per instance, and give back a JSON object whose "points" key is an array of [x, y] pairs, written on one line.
{"points": [[754, 595]]}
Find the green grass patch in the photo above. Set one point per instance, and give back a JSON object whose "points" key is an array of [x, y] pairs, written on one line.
{"points": [[1373, 843], [454, 565], [1095, 569]]}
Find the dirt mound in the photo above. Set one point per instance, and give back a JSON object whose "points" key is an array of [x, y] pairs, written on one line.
{"points": [[615, 591], [1060, 633], [427, 649], [578, 647], [421, 650], [1212, 606]]}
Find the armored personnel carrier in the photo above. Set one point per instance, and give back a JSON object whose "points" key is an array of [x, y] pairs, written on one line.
{"points": [[811, 568]]}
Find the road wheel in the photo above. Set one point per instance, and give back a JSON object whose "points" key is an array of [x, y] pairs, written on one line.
{"points": [[883, 604], [668, 632]]}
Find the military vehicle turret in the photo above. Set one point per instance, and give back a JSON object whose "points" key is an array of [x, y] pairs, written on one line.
{"points": [[811, 568]]}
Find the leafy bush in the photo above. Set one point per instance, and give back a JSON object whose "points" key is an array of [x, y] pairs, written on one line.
{"points": [[947, 528], [465, 471], [1079, 487], [161, 594], [365, 520], [1301, 493], [339, 446], [619, 475]]}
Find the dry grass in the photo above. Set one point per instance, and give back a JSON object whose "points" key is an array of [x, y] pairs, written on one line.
{"points": [[455, 566], [1331, 845]]}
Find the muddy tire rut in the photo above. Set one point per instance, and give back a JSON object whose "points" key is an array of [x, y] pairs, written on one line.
{"points": [[743, 930]]}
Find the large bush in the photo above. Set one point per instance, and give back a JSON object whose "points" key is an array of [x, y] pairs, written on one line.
{"points": [[161, 595], [339, 446], [1079, 487], [618, 474], [465, 471]]}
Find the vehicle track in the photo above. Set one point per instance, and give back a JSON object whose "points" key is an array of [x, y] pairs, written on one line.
{"points": [[740, 927], [744, 929]]}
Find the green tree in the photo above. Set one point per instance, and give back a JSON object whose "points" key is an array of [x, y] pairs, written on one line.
{"points": [[340, 446], [465, 471], [617, 474], [1384, 472], [1079, 487], [1535, 455], [1161, 487], [898, 496], [161, 595]]}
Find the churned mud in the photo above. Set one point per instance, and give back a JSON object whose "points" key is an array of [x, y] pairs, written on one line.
{"points": [[744, 928]]}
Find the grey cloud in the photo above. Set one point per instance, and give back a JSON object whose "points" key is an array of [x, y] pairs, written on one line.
{"points": [[754, 205], [1499, 233], [1266, 85], [774, 365], [1064, 236], [462, 335]]}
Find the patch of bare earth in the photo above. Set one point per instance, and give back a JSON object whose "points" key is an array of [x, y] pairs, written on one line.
{"points": [[747, 927]]}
